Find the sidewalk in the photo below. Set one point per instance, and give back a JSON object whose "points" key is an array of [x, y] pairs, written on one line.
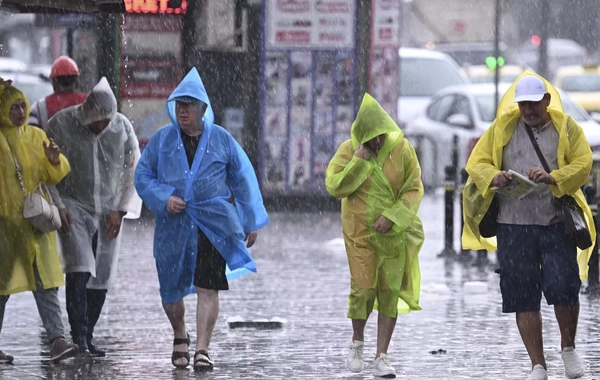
{"points": [[303, 278]]}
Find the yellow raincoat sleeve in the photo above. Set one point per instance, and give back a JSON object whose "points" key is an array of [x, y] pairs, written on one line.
{"points": [[404, 210], [575, 174], [346, 172], [481, 166]]}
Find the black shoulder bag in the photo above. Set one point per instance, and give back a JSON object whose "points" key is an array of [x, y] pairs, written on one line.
{"points": [[572, 214]]}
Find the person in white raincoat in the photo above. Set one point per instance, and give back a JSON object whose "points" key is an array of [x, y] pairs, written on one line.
{"points": [[93, 199]]}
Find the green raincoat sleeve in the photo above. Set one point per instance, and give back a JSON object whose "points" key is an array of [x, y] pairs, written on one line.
{"points": [[404, 210], [346, 172]]}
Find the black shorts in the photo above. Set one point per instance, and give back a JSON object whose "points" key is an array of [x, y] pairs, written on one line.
{"points": [[535, 260], [210, 266]]}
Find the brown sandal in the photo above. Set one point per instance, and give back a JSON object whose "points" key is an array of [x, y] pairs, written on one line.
{"points": [[201, 356], [176, 355]]}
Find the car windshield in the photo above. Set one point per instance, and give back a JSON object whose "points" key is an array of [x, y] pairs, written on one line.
{"points": [[581, 83], [425, 77], [470, 57], [508, 78], [487, 110]]}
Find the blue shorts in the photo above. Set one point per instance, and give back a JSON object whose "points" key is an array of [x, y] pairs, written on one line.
{"points": [[533, 259]]}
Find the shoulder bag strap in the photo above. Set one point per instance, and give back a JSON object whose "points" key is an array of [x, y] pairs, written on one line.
{"points": [[17, 166], [537, 148]]}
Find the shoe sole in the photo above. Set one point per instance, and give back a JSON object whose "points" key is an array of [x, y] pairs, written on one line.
{"points": [[6, 361], [386, 376], [69, 353], [574, 376]]}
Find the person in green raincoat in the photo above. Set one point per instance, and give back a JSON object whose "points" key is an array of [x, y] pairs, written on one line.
{"points": [[535, 255], [378, 177]]}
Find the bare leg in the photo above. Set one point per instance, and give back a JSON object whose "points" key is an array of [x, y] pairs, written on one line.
{"points": [[530, 327], [176, 313], [567, 317], [358, 326], [385, 329], [206, 316]]}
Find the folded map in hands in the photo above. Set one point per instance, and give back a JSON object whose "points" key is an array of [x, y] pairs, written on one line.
{"points": [[518, 188]]}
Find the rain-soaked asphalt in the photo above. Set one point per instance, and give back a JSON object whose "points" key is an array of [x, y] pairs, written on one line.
{"points": [[302, 278]]}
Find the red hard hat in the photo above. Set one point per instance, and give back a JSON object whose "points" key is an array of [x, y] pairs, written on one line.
{"points": [[64, 66]]}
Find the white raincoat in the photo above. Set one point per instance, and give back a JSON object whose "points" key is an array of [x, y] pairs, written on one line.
{"points": [[101, 181]]}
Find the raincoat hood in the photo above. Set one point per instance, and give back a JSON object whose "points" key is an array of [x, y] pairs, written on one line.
{"points": [[508, 109], [371, 121], [193, 87], [7, 98], [100, 104]]}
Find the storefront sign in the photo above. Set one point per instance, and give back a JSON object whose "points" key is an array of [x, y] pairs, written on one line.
{"points": [[156, 6], [318, 24]]}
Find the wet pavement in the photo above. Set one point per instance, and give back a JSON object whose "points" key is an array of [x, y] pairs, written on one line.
{"points": [[303, 278]]}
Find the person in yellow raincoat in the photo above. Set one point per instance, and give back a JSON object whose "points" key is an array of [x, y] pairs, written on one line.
{"points": [[28, 258], [535, 254], [378, 177]]}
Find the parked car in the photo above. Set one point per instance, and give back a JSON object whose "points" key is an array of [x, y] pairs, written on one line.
{"points": [[423, 73], [12, 65], [561, 52], [582, 83], [33, 86], [467, 54], [483, 74], [467, 111]]}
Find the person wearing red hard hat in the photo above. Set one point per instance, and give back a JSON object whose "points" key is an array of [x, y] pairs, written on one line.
{"points": [[65, 81]]}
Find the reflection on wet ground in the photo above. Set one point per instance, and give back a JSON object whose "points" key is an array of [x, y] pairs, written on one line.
{"points": [[302, 278]]}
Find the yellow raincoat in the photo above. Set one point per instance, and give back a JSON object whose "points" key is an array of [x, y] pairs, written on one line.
{"points": [[574, 165], [384, 268], [20, 244]]}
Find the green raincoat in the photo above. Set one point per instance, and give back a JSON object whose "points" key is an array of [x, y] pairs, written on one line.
{"points": [[384, 268]]}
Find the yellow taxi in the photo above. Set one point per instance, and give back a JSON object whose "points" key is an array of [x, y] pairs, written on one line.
{"points": [[582, 83], [485, 74]]}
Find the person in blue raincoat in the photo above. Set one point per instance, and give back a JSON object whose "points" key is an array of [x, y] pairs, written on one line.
{"points": [[204, 192]]}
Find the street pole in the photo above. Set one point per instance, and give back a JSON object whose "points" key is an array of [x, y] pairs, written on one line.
{"points": [[497, 53], [543, 52]]}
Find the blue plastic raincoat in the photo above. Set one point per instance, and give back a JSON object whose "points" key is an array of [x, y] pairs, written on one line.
{"points": [[220, 167]]}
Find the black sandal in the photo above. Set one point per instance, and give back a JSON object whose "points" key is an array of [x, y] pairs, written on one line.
{"points": [[176, 355], [201, 356]]}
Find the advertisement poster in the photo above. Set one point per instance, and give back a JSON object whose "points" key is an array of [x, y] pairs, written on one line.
{"points": [[310, 24], [384, 61], [308, 92]]}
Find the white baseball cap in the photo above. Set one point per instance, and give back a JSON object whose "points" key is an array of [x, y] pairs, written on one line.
{"points": [[530, 88]]}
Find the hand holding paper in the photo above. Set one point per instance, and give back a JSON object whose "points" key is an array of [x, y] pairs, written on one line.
{"points": [[518, 187]]}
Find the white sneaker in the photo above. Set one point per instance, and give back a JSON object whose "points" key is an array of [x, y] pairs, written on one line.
{"points": [[573, 367], [383, 368], [354, 360], [538, 373]]}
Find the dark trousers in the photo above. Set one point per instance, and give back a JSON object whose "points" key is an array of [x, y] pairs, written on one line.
{"points": [[83, 305]]}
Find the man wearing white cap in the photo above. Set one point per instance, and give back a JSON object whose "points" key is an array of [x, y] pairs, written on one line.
{"points": [[535, 253]]}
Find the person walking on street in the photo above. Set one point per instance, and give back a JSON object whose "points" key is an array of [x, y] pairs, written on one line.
{"points": [[187, 175], [64, 75], [535, 253], [377, 175], [28, 258], [93, 199]]}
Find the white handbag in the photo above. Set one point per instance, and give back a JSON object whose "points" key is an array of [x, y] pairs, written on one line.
{"points": [[38, 207]]}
